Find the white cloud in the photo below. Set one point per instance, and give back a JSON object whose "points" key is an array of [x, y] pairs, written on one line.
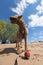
{"points": [[40, 37], [40, 7], [41, 2], [35, 20], [22, 5], [37, 36], [30, 1]]}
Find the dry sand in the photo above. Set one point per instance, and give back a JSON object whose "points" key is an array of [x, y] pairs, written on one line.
{"points": [[8, 54]]}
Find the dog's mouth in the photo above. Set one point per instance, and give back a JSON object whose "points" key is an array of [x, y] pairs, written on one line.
{"points": [[13, 20]]}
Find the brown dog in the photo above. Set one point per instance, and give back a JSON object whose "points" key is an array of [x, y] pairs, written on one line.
{"points": [[23, 31]]}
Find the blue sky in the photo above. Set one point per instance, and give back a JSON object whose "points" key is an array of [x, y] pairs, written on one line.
{"points": [[32, 11]]}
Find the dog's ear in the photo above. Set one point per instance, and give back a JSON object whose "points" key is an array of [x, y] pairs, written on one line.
{"points": [[19, 17]]}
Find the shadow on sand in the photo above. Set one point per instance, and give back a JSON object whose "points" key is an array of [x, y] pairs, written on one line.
{"points": [[8, 50]]}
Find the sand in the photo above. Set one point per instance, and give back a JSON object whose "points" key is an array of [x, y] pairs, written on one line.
{"points": [[8, 54]]}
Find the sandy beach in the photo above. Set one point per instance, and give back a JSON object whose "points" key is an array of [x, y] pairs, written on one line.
{"points": [[8, 54]]}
